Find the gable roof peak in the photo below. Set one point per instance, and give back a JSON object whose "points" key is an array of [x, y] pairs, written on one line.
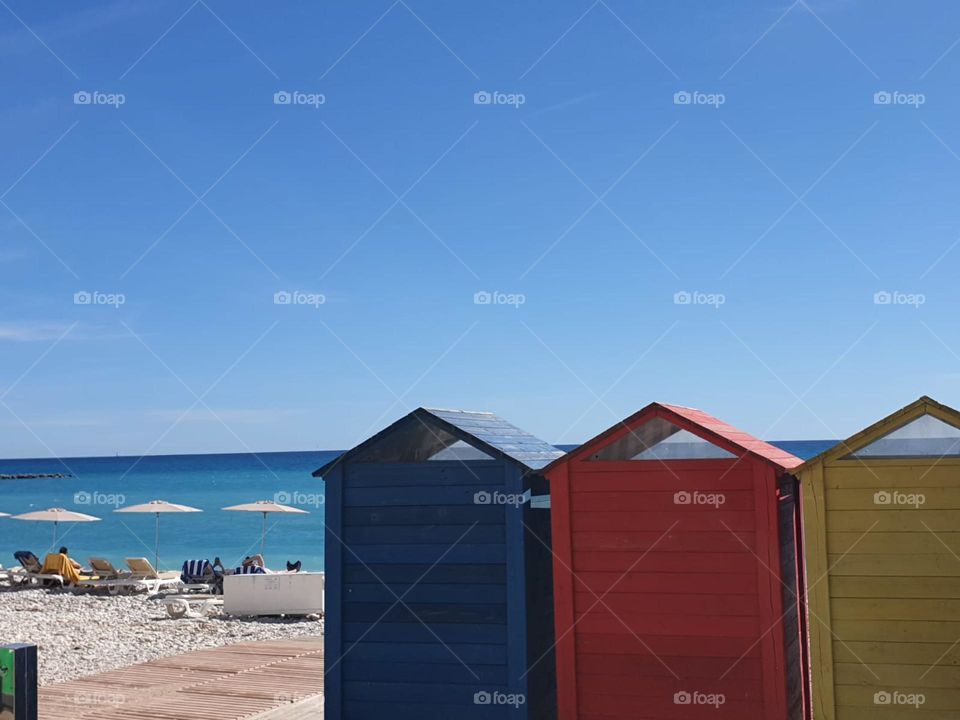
{"points": [[884, 426], [483, 430], [710, 427]]}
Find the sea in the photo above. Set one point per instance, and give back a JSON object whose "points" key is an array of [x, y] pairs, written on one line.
{"points": [[98, 486]]}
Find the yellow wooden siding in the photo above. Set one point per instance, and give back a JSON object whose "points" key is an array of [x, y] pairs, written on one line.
{"points": [[892, 543], [818, 594], [892, 594], [894, 587]]}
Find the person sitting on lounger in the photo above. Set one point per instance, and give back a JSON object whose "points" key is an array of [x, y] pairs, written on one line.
{"points": [[61, 565], [63, 551], [254, 565]]}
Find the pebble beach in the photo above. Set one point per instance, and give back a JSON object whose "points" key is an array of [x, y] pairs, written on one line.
{"points": [[84, 634]]}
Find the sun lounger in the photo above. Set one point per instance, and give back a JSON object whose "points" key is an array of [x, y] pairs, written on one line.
{"points": [[105, 569], [202, 605], [32, 571], [146, 576], [58, 567], [11, 574], [249, 570], [200, 576], [107, 576]]}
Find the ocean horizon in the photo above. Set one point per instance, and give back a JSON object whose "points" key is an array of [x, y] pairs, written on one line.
{"points": [[99, 485]]}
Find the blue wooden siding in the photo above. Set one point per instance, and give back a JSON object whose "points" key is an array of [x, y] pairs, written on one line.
{"points": [[333, 643], [414, 531]]}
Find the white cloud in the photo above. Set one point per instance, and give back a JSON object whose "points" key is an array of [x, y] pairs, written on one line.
{"points": [[32, 332]]}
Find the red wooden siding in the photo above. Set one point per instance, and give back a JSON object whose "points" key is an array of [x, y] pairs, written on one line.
{"points": [[657, 599], [654, 622]]}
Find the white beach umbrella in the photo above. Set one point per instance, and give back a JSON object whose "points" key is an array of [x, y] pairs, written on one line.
{"points": [[56, 516], [266, 507], [156, 507]]}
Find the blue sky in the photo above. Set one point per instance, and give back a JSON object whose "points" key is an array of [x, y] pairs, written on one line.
{"points": [[781, 200]]}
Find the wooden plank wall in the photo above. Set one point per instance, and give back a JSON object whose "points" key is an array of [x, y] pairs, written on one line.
{"points": [[794, 625], [540, 663], [893, 588], [679, 588], [414, 531]]}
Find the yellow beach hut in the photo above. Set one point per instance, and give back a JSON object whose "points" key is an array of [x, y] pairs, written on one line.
{"points": [[882, 540]]}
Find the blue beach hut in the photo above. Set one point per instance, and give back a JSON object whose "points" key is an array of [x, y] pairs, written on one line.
{"points": [[438, 573]]}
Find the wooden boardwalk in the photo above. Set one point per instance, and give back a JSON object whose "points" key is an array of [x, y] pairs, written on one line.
{"points": [[236, 682]]}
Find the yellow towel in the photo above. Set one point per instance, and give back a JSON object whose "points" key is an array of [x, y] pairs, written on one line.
{"points": [[59, 564]]}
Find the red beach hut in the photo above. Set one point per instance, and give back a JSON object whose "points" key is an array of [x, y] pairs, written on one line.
{"points": [[676, 573]]}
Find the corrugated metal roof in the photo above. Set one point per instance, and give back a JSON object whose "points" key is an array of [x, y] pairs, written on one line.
{"points": [[500, 436], [484, 430]]}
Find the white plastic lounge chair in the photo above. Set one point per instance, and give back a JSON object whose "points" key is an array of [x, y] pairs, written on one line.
{"points": [[107, 576], [146, 576], [202, 605], [105, 569]]}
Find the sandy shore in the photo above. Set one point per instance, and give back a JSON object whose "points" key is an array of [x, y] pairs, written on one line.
{"points": [[84, 634]]}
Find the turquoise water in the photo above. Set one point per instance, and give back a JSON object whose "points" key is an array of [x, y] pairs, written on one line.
{"points": [[208, 482]]}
